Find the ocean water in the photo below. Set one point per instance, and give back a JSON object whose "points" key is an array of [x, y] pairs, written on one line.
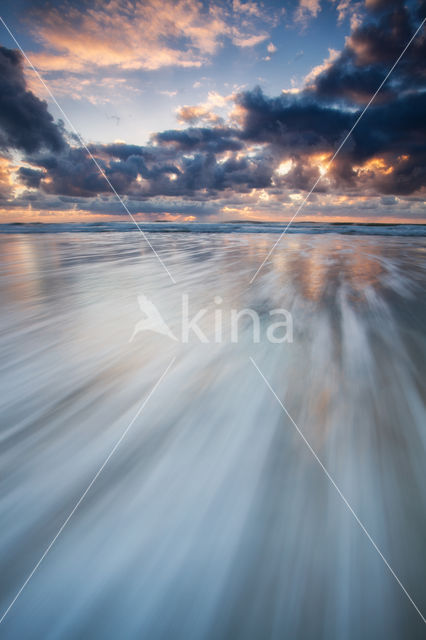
{"points": [[212, 519], [345, 228]]}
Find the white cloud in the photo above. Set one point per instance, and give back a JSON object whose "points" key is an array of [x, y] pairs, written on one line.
{"points": [[347, 8], [307, 9], [241, 40], [206, 111], [333, 54], [144, 35], [250, 8]]}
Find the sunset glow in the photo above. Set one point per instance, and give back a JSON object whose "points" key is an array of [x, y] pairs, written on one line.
{"points": [[182, 115]]}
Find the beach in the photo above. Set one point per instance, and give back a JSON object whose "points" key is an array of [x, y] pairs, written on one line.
{"points": [[214, 517]]}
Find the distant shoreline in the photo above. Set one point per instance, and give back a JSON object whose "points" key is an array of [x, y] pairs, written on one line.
{"points": [[364, 224], [219, 222]]}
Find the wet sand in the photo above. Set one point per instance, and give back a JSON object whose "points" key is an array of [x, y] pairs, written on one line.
{"points": [[212, 519]]}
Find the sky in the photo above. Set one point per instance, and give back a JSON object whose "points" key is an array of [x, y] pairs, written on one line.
{"points": [[204, 111]]}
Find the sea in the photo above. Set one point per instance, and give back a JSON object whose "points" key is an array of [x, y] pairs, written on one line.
{"points": [[165, 473]]}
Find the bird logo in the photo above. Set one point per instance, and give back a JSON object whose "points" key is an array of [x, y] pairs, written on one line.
{"points": [[153, 320]]}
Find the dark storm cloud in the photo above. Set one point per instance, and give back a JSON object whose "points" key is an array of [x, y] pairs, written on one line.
{"points": [[382, 38], [73, 173], [30, 177], [120, 150], [25, 123], [396, 134], [70, 173], [393, 128], [204, 172], [215, 140], [397, 128], [347, 83], [189, 162], [295, 124], [370, 52], [303, 175]]}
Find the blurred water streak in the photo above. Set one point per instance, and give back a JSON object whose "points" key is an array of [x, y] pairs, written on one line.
{"points": [[212, 520]]}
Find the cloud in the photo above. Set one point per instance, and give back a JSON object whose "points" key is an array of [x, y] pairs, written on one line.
{"points": [[289, 122], [211, 140], [152, 34], [169, 93], [25, 123], [348, 8], [381, 41], [384, 155], [205, 111], [30, 177], [319, 69], [266, 152], [245, 40], [249, 8], [307, 9], [148, 33], [369, 53], [349, 83], [194, 114], [6, 173]]}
